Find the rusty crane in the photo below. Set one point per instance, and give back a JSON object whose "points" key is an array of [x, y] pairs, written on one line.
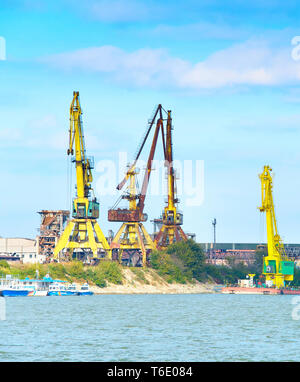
{"points": [[172, 219], [132, 235]]}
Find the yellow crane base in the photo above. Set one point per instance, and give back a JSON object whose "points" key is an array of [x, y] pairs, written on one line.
{"points": [[85, 234], [133, 236], [169, 234]]}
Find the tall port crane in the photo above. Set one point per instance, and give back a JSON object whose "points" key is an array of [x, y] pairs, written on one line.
{"points": [[132, 235], [277, 267], [83, 231], [172, 219]]}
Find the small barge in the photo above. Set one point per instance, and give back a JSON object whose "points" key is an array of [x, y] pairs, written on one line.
{"points": [[252, 290], [248, 287]]}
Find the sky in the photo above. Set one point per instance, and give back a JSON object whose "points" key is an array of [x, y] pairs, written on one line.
{"points": [[229, 71]]}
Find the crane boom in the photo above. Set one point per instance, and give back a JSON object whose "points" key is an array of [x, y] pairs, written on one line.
{"points": [[137, 214], [76, 137], [142, 195], [151, 123]]}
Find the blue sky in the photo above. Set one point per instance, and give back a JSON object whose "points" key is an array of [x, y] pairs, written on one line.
{"points": [[224, 69]]}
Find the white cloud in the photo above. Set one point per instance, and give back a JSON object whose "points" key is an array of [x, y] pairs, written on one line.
{"points": [[43, 132], [118, 10], [201, 30], [250, 63]]}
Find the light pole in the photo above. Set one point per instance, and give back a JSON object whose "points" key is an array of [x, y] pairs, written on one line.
{"points": [[214, 223]]}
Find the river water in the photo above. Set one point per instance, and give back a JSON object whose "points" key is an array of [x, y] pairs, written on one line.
{"points": [[201, 327]]}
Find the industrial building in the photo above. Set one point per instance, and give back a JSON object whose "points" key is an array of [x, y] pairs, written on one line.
{"points": [[20, 249], [51, 228], [39, 250], [245, 252]]}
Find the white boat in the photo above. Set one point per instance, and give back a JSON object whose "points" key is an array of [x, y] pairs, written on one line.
{"points": [[57, 288], [37, 287], [72, 288], [12, 287], [85, 290]]}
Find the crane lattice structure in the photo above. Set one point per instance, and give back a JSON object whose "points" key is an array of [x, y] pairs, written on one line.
{"points": [[132, 235], [83, 231], [172, 219], [277, 267]]}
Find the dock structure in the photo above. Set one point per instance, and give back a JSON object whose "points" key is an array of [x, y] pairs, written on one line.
{"points": [[51, 228]]}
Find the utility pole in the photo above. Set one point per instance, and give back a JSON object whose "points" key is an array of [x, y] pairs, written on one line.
{"points": [[214, 223]]}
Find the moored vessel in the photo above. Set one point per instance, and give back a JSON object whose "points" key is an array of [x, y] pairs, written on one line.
{"points": [[37, 287], [247, 286], [250, 290], [57, 288], [12, 287], [14, 292], [290, 291], [85, 290]]}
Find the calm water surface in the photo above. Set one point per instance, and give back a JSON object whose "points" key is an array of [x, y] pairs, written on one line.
{"points": [[150, 328]]}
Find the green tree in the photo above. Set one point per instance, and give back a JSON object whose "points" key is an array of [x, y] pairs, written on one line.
{"points": [[4, 264], [75, 269], [165, 266], [296, 281], [258, 260], [191, 255]]}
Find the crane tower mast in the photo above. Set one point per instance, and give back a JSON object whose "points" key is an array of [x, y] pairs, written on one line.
{"points": [[172, 219]]}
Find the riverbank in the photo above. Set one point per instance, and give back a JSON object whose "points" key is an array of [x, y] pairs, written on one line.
{"points": [[110, 278], [139, 281]]}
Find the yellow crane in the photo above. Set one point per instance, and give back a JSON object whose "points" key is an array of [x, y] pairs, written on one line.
{"points": [[172, 219], [132, 237], [83, 231], [277, 267]]}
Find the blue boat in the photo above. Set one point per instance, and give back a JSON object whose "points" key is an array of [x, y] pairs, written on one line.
{"points": [[85, 290], [12, 287], [37, 287], [58, 289], [11, 292]]}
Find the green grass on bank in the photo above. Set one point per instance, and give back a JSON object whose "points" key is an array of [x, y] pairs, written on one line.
{"points": [[74, 271], [182, 262], [185, 261]]}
